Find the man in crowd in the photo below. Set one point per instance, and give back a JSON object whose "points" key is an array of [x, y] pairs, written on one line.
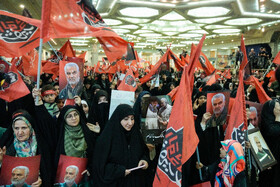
{"points": [[71, 173], [263, 154], [19, 175], [74, 85]]}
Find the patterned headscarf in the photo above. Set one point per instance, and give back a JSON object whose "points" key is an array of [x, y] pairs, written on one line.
{"points": [[231, 165], [29, 147]]}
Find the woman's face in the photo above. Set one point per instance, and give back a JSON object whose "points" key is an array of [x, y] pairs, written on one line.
{"points": [[103, 77], [85, 108], [73, 118], [21, 130], [128, 122], [223, 152], [201, 100], [102, 99]]}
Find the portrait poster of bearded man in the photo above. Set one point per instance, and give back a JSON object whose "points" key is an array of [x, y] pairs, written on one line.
{"points": [[70, 79]]}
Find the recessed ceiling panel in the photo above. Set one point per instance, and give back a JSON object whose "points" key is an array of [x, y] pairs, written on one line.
{"points": [[141, 12], [190, 35], [217, 27], [128, 26], [198, 31], [211, 20], [112, 22], [243, 21], [222, 31], [208, 11]]}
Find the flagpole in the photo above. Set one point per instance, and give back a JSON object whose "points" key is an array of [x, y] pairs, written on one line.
{"points": [[271, 63], [198, 160], [39, 68], [54, 50], [249, 152]]}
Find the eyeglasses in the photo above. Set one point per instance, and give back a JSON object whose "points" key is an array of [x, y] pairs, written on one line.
{"points": [[69, 116]]}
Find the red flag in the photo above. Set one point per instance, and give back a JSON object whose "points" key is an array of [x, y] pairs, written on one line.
{"points": [[205, 64], [83, 55], [156, 69], [271, 75], [177, 62], [19, 34], [115, 48], [128, 83], [67, 50], [12, 86], [69, 18], [226, 74], [277, 58], [30, 64], [263, 97], [98, 69], [180, 139], [173, 93], [238, 119], [211, 80], [51, 68]]}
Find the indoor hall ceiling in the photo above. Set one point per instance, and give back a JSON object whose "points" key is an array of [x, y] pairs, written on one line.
{"points": [[154, 24]]}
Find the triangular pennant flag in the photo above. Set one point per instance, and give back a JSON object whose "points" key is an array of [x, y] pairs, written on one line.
{"points": [[263, 97], [51, 68], [128, 83], [12, 86], [19, 34], [67, 50]]}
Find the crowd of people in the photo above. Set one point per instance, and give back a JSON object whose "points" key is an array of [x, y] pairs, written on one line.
{"points": [[114, 146]]}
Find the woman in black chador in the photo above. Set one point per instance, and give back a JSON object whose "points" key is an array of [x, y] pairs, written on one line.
{"points": [[119, 148]]}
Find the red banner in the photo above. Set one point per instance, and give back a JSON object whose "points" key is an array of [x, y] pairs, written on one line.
{"points": [[19, 34], [12, 86]]}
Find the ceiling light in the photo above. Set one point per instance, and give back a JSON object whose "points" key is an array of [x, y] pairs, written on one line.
{"points": [[112, 22], [210, 20], [128, 26], [142, 31], [232, 40], [243, 21], [190, 35], [79, 41], [82, 37], [263, 29], [148, 3], [134, 20], [208, 11], [270, 11], [150, 34], [21, 6], [190, 42], [226, 30], [217, 27], [178, 45], [139, 12], [198, 31], [121, 31], [172, 16], [79, 44], [147, 43], [170, 33]]}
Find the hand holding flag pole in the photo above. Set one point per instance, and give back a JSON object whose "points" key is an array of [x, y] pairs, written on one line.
{"points": [[198, 160]]}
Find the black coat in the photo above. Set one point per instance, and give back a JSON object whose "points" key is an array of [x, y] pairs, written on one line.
{"points": [[45, 131], [117, 150]]}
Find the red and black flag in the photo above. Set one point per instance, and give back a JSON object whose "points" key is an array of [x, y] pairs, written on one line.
{"points": [[180, 139], [18, 34], [12, 86], [128, 83], [69, 18]]}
